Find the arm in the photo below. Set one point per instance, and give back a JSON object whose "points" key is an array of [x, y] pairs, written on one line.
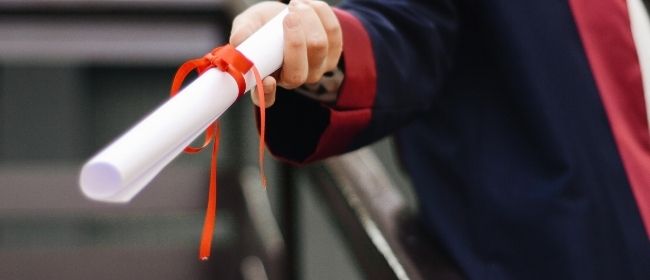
{"points": [[395, 56]]}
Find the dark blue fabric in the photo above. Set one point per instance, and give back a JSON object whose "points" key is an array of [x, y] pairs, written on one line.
{"points": [[501, 128]]}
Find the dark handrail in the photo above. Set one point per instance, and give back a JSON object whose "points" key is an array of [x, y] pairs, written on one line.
{"points": [[381, 231]]}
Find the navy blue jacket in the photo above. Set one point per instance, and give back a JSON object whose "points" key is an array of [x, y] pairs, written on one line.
{"points": [[521, 124]]}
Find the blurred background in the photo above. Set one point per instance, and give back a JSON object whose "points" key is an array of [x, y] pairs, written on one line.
{"points": [[76, 74]]}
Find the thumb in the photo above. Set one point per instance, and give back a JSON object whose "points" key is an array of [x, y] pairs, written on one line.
{"points": [[269, 85]]}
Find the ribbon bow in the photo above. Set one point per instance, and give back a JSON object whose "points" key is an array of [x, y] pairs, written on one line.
{"points": [[227, 59]]}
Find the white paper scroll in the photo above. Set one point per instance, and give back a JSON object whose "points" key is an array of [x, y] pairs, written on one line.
{"points": [[126, 166]]}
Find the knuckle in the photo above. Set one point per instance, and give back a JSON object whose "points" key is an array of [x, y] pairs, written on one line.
{"points": [[333, 29], [313, 78], [295, 79], [317, 43], [294, 43], [315, 73]]}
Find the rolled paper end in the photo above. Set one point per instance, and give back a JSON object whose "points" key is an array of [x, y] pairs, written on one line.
{"points": [[100, 181], [112, 176]]}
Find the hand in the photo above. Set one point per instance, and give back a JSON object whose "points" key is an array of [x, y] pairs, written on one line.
{"points": [[312, 42]]}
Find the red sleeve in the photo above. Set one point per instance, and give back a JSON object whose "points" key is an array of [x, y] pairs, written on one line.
{"points": [[352, 111]]}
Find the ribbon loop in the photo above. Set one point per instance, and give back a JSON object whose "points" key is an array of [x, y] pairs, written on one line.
{"points": [[229, 60]]}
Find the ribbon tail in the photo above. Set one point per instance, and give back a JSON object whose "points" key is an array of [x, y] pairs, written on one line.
{"points": [[211, 211], [226, 59], [262, 107]]}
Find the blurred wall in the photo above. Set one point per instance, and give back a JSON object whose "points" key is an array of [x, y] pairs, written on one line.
{"points": [[76, 74]]}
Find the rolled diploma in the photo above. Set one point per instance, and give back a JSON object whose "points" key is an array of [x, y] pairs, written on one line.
{"points": [[126, 166]]}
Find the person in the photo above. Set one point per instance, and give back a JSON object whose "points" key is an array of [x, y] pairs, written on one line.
{"points": [[522, 124]]}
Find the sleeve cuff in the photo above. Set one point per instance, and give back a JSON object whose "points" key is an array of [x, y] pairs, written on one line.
{"points": [[337, 125], [359, 86]]}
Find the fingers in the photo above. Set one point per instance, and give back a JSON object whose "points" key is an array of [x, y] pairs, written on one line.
{"points": [[295, 66], [312, 33], [312, 41], [269, 92], [315, 40], [252, 19], [333, 32]]}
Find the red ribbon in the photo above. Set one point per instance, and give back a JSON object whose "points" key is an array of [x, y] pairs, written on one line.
{"points": [[227, 59]]}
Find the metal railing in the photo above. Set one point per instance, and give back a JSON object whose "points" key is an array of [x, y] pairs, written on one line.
{"points": [[378, 225]]}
